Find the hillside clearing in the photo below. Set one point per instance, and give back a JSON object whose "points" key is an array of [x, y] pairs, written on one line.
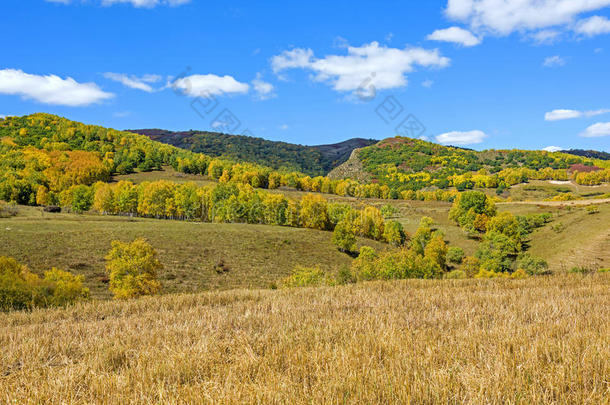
{"points": [[256, 255]]}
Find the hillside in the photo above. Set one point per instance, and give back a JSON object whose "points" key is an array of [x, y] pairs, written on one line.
{"points": [[412, 164], [312, 160], [593, 154]]}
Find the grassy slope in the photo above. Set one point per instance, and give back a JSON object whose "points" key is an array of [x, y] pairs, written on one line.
{"points": [[257, 255], [539, 340]]}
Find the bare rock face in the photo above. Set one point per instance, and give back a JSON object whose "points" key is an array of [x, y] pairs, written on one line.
{"points": [[352, 169]]}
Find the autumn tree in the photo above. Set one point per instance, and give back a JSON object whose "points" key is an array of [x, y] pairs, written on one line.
{"points": [[132, 269]]}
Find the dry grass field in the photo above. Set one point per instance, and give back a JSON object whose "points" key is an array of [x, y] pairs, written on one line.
{"points": [[538, 340]]}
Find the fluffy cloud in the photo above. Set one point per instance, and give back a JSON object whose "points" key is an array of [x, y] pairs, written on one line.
{"points": [[456, 35], [263, 89], [503, 17], [554, 61], [593, 26], [50, 89], [134, 82], [370, 65], [597, 130], [135, 3], [209, 85], [461, 138], [553, 148], [558, 115]]}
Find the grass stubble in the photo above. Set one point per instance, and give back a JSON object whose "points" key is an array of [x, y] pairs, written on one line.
{"points": [[538, 340]]}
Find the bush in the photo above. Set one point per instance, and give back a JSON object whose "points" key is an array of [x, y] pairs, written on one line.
{"points": [[7, 210], [604, 270], [132, 269], [388, 211], [20, 289], [592, 209], [582, 270], [63, 288], [455, 275], [455, 255], [531, 265], [307, 277]]}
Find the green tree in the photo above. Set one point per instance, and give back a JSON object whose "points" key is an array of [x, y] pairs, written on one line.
{"points": [[394, 233], [344, 237]]}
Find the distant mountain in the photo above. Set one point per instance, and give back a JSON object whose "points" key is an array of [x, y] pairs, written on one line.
{"points": [[592, 154], [312, 160]]}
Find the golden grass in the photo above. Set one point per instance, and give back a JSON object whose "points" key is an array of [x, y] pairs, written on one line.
{"points": [[539, 340]]}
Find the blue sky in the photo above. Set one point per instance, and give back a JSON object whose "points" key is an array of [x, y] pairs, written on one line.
{"points": [[480, 73]]}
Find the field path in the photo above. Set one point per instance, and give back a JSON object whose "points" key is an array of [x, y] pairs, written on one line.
{"points": [[557, 203]]}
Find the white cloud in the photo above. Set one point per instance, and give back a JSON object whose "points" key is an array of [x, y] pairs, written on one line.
{"points": [[50, 89], [263, 89], [209, 85], [558, 115], [134, 82], [461, 138], [553, 148], [370, 65], [545, 37], [427, 83], [284, 127], [296, 58], [503, 17], [593, 26], [135, 3], [554, 61], [597, 130], [456, 35]]}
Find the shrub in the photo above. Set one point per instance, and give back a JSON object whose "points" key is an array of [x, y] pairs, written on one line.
{"points": [[20, 289], [471, 266], [604, 270], [132, 269], [581, 270], [592, 209], [455, 255], [307, 277], [558, 227], [63, 288], [455, 275], [531, 265], [7, 210]]}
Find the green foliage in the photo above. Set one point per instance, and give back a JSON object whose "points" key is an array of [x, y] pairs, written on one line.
{"points": [[282, 156], [344, 237], [455, 255], [307, 277], [531, 265], [592, 209], [394, 233], [132, 269], [456, 275], [470, 206], [388, 211]]}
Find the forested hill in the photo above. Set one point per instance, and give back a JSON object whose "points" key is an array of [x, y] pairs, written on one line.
{"points": [[593, 154], [313, 160], [401, 163]]}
